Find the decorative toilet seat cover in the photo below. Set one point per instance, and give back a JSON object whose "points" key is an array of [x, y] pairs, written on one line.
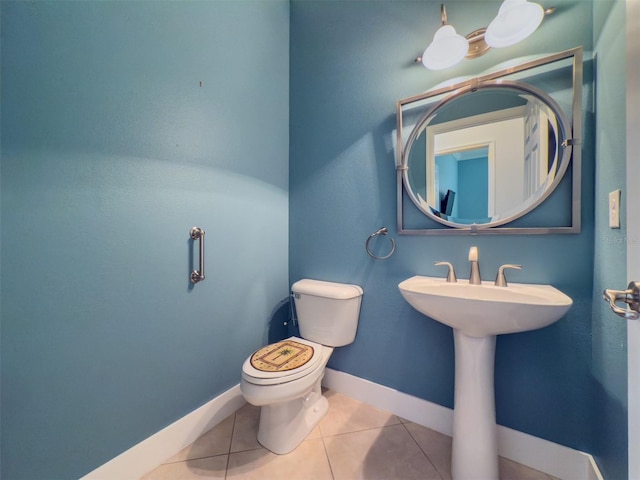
{"points": [[282, 356], [282, 361]]}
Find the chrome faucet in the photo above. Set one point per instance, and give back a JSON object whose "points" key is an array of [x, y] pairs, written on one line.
{"points": [[474, 275], [501, 280], [451, 275]]}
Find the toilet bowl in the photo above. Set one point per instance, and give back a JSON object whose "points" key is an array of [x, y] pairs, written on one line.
{"points": [[292, 405], [284, 378]]}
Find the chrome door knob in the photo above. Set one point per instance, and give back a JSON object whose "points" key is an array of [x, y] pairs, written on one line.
{"points": [[630, 296]]}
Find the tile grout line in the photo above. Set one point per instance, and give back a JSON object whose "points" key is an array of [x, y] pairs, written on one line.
{"points": [[423, 452], [187, 460], [360, 430], [324, 445], [233, 431]]}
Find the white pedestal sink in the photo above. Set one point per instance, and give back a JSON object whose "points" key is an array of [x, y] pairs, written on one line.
{"points": [[478, 313]]}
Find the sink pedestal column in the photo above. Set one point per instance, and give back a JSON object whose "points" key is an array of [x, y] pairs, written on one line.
{"points": [[475, 436]]}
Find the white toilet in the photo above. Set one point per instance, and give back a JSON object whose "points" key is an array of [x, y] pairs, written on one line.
{"points": [[284, 378]]}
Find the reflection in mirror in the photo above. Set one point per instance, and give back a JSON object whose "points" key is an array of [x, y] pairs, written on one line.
{"points": [[495, 149], [492, 150], [464, 170]]}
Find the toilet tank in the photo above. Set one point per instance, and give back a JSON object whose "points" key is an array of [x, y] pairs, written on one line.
{"points": [[327, 312]]}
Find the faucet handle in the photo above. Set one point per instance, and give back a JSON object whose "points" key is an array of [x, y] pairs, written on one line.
{"points": [[501, 280], [451, 275]]}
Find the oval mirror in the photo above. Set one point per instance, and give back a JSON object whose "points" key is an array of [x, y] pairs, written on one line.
{"points": [[486, 154]]}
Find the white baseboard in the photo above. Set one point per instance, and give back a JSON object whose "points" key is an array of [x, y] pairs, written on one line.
{"points": [[148, 454], [543, 455], [548, 457]]}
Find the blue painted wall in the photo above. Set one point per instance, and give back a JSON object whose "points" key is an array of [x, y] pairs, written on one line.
{"points": [[473, 186], [610, 331], [447, 175], [350, 63], [124, 124]]}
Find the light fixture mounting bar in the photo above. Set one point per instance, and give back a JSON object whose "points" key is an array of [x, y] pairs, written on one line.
{"points": [[477, 45]]}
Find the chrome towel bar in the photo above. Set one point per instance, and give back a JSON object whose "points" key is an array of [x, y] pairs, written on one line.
{"points": [[197, 233]]}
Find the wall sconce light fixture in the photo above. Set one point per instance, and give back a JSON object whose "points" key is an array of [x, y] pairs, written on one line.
{"points": [[516, 20], [447, 48]]}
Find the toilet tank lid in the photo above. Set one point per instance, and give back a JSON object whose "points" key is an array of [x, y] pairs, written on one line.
{"points": [[320, 288]]}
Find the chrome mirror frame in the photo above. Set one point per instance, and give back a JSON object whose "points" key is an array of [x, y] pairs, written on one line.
{"points": [[569, 151]]}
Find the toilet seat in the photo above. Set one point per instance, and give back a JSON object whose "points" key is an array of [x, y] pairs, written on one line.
{"points": [[264, 361]]}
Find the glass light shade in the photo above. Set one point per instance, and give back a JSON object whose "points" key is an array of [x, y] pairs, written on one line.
{"points": [[447, 49], [516, 20]]}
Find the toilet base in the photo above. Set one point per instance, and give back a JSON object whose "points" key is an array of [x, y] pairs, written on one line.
{"points": [[283, 426]]}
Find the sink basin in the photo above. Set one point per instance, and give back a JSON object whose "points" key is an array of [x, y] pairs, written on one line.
{"points": [[484, 310]]}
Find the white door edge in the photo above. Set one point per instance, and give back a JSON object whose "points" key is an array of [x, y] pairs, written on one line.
{"points": [[633, 225]]}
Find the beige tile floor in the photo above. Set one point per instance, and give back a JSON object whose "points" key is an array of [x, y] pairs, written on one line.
{"points": [[353, 441]]}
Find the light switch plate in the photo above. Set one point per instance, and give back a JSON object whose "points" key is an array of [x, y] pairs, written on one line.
{"points": [[614, 209]]}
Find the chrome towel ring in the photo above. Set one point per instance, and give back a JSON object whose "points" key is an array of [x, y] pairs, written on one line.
{"points": [[381, 231]]}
